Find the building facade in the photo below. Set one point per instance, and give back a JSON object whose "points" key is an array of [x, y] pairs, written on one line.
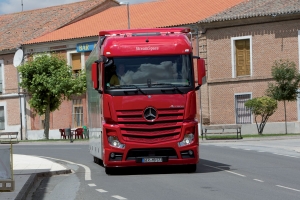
{"points": [[144, 15], [17, 28], [242, 44]]}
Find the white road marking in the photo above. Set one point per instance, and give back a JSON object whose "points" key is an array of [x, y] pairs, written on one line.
{"points": [[118, 197], [288, 188], [92, 185], [285, 155], [258, 180], [226, 171], [87, 174], [101, 190]]}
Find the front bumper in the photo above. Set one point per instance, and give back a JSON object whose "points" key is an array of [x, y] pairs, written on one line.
{"points": [[133, 155]]}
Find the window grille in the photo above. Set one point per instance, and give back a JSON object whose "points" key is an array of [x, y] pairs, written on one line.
{"points": [[243, 114]]}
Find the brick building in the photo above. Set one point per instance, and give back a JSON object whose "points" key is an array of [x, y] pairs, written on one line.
{"points": [[17, 28], [68, 39], [241, 45]]}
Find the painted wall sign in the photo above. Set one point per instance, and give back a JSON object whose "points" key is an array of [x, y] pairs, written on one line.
{"points": [[87, 46]]}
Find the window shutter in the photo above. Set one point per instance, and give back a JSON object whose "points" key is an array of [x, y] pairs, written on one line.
{"points": [[76, 61], [242, 57]]}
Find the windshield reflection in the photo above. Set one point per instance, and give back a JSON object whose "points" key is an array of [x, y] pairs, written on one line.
{"points": [[150, 71]]}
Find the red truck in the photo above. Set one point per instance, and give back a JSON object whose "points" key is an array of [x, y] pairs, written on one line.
{"points": [[142, 98]]}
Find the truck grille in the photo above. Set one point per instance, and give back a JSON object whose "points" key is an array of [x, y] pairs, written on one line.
{"points": [[166, 127]]}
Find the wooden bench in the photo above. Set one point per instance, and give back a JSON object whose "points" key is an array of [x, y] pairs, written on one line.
{"points": [[9, 137], [221, 130]]}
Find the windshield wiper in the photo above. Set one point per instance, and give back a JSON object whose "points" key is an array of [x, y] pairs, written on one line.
{"points": [[170, 84], [138, 88]]}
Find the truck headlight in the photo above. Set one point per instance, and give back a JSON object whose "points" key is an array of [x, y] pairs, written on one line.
{"points": [[188, 139], [114, 142]]}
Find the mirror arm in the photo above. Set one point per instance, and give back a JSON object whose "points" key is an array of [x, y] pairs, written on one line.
{"points": [[197, 88]]}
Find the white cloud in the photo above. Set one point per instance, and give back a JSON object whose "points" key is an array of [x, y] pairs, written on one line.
{"points": [[11, 6]]}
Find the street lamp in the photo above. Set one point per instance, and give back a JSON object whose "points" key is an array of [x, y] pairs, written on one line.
{"points": [[128, 16]]}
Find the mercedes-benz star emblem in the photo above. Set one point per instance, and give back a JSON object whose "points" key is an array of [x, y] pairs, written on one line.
{"points": [[150, 114]]}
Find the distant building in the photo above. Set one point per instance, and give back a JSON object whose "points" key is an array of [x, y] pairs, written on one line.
{"points": [[73, 38], [18, 28], [241, 44]]}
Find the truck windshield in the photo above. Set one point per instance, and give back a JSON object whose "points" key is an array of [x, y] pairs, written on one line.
{"points": [[149, 71]]}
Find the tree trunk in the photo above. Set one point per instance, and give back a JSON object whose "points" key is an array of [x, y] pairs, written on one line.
{"points": [[47, 122], [285, 117]]}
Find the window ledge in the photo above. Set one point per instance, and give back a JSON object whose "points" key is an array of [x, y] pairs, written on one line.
{"points": [[238, 79]]}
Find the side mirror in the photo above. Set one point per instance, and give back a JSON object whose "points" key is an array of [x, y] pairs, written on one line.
{"points": [[201, 70], [97, 68], [95, 76]]}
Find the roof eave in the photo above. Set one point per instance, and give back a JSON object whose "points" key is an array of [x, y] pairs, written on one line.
{"points": [[239, 21]]}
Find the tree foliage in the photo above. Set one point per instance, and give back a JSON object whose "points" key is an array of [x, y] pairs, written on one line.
{"points": [[263, 107], [49, 80], [286, 83]]}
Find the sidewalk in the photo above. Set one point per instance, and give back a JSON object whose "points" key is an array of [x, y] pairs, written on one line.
{"points": [[295, 148], [26, 171]]}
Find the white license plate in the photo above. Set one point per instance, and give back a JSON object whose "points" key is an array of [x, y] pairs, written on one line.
{"points": [[149, 160]]}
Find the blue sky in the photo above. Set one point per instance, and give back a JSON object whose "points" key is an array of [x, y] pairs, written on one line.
{"points": [[11, 6]]}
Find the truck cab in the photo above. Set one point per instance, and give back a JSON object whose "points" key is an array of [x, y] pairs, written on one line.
{"points": [[142, 98]]}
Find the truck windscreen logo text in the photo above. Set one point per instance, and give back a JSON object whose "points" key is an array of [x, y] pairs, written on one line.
{"points": [[147, 48]]}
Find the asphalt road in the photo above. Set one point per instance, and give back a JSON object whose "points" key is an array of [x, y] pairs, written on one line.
{"points": [[227, 170]]}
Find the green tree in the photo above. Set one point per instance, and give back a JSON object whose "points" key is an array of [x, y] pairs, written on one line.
{"points": [[49, 80], [287, 79], [263, 107]]}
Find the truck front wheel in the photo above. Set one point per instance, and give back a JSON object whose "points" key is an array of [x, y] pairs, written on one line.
{"points": [[109, 170], [191, 168]]}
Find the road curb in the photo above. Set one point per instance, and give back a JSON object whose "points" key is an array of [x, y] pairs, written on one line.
{"points": [[34, 178]]}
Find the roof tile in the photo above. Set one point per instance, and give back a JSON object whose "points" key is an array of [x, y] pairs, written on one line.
{"points": [[163, 13], [20, 27], [256, 8]]}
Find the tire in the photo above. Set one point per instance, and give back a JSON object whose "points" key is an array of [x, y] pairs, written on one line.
{"points": [[98, 161], [191, 168], [109, 170]]}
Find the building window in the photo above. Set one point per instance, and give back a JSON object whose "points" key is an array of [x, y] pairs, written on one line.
{"points": [[77, 114], [1, 83], [76, 61], [2, 118], [242, 114], [241, 56]]}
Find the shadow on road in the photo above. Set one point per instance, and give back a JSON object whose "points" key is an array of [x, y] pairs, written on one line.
{"points": [[204, 166]]}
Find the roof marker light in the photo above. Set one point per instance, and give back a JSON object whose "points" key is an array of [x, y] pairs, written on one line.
{"points": [[186, 50], [107, 53]]}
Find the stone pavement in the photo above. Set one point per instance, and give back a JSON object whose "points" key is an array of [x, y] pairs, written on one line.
{"points": [[27, 169]]}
